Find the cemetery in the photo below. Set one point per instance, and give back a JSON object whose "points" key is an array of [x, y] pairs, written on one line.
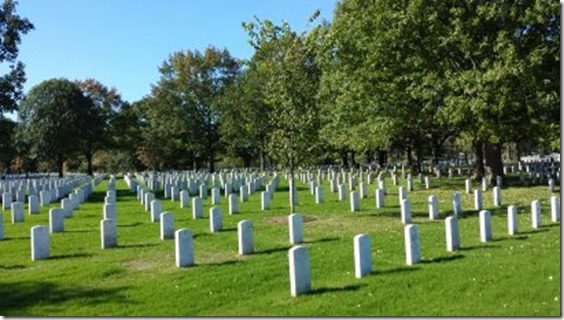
{"points": [[280, 158], [94, 248]]}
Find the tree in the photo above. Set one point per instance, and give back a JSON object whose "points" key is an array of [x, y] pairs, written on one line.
{"points": [[290, 77], [8, 151], [188, 96], [106, 103], [52, 121], [12, 26]]}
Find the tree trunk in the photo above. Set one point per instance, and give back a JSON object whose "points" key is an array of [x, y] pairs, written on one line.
{"points": [[291, 186], [344, 157], [60, 164], [261, 158], [478, 148], [494, 160], [212, 162], [353, 160], [436, 154], [90, 167], [409, 157], [417, 164], [246, 162], [381, 157]]}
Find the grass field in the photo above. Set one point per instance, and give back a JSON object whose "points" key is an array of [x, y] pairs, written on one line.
{"points": [[509, 276]]}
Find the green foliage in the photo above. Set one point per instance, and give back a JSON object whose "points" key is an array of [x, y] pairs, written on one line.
{"points": [[54, 120], [12, 26], [184, 105]]}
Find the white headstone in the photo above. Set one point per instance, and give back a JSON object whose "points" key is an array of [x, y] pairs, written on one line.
{"points": [[167, 225], [245, 237], [433, 207], [7, 200], [149, 196], [496, 196], [183, 245], [363, 190], [427, 183], [412, 253], [484, 184], [215, 196], [551, 185], [535, 214], [265, 200], [39, 243], [156, 210], [295, 226], [362, 255], [318, 195], [342, 192], [379, 198], [478, 200], [33, 204], [402, 194], [452, 234], [108, 233], [233, 201], [184, 199], [1, 227], [203, 191], [405, 211], [216, 219], [555, 208], [355, 201], [485, 226], [244, 194], [56, 220], [197, 208], [512, 220], [298, 260], [110, 211], [468, 184], [456, 204], [17, 212]]}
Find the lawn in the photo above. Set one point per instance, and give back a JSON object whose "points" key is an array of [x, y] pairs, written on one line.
{"points": [[509, 276]]}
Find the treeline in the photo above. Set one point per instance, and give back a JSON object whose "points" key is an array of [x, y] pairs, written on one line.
{"points": [[384, 81]]}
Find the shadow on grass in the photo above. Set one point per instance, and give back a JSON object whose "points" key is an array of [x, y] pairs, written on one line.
{"points": [[80, 231], [482, 246], [16, 238], [71, 255], [327, 239], [17, 296], [130, 225], [533, 231], [273, 250], [216, 264], [443, 259], [13, 267], [517, 237], [228, 229], [323, 290], [136, 245], [394, 270]]}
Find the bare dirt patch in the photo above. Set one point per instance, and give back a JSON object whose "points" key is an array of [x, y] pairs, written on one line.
{"points": [[284, 219]]}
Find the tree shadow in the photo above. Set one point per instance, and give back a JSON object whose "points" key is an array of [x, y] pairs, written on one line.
{"points": [[443, 259], [273, 250], [136, 245], [532, 231], [323, 290], [326, 239], [18, 296], [483, 246], [216, 264], [13, 267], [394, 270], [69, 256], [80, 231]]}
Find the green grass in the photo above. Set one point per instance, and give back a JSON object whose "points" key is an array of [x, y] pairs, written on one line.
{"points": [[509, 276]]}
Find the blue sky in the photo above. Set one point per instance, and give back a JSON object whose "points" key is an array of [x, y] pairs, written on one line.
{"points": [[122, 42]]}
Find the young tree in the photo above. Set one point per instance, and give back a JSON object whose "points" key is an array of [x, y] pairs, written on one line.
{"points": [[286, 62]]}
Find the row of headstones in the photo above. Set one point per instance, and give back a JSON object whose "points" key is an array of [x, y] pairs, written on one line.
{"points": [[40, 234], [35, 186], [298, 256], [68, 204], [192, 181]]}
